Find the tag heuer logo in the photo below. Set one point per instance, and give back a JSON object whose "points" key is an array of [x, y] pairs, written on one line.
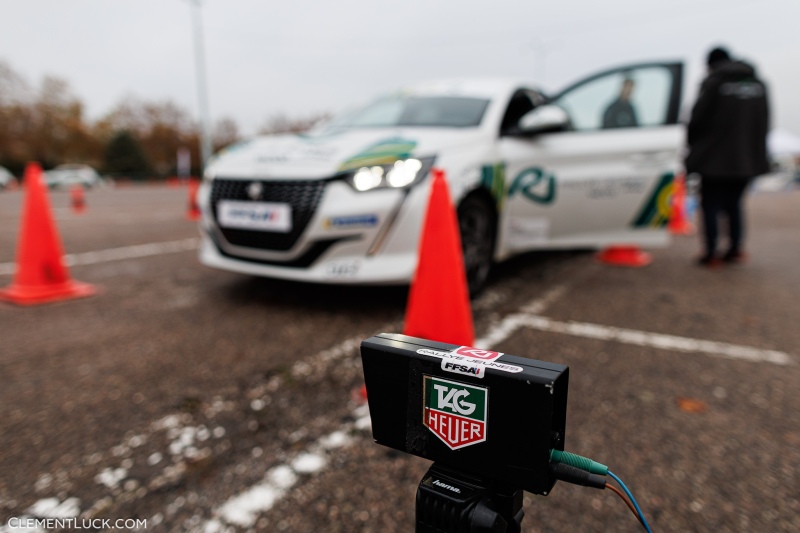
{"points": [[455, 412], [254, 190]]}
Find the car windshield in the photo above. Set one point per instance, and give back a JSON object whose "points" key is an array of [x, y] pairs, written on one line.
{"points": [[428, 111]]}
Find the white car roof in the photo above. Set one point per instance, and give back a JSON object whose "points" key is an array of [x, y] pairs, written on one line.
{"points": [[72, 166], [491, 88]]}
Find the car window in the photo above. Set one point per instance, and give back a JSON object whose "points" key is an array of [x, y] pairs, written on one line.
{"points": [[437, 111], [632, 98]]}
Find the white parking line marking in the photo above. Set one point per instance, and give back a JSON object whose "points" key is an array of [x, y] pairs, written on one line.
{"points": [[118, 254], [655, 340], [500, 331], [243, 509]]}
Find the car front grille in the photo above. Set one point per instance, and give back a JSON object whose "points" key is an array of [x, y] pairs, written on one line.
{"points": [[303, 196]]}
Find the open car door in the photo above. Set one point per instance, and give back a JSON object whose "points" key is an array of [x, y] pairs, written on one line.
{"points": [[594, 165]]}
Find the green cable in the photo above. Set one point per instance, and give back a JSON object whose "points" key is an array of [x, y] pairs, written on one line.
{"points": [[578, 461]]}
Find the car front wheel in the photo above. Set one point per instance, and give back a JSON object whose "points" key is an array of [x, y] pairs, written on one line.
{"points": [[477, 224]]}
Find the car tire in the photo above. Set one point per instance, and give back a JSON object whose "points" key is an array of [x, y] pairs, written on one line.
{"points": [[477, 224]]}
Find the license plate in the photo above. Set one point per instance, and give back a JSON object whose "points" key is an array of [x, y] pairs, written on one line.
{"points": [[255, 215]]}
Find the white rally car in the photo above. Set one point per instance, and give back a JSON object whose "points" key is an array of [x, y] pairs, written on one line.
{"points": [[587, 168]]}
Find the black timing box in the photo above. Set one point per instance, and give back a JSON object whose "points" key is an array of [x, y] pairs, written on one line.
{"points": [[491, 415]]}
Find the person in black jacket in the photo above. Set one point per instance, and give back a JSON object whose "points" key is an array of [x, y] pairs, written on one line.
{"points": [[727, 138], [621, 113]]}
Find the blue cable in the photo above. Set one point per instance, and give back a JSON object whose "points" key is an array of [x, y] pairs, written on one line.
{"points": [[633, 501]]}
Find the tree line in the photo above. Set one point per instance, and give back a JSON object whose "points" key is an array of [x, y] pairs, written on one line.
{"points": [[137, 139]]}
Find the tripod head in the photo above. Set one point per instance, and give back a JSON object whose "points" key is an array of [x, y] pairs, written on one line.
{"points": [[449, 500]]}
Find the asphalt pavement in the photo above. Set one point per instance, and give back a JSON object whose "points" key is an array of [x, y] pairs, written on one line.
{"points": [[202, 400]]}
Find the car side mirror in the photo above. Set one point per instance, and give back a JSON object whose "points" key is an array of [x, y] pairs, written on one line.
{"points": [[544, 119]]}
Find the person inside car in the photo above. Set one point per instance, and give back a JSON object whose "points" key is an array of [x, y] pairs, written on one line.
{"points": [[620, 113]]}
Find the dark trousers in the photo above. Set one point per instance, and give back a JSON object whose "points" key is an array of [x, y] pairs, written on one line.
{"points": [[722, 196]]}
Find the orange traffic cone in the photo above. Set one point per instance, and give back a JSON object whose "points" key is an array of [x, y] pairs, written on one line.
{"points": [[193, 213], [678, 221], [438, 301], [40, 276], [77, 199], [359, 394], [624, 255]]}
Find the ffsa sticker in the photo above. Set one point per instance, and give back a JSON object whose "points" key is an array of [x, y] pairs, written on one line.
{"points": [[470, 361], [470, 369]]}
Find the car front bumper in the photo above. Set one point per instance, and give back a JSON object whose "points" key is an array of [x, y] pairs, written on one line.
{"points": [[329, 251], [344, 268]]}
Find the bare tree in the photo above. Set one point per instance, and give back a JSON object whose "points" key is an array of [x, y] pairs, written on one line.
{"points": [[160, 127], [226, 132], [44, 124], [60, 134], [282, 124], [15, 118], [14, 90]]}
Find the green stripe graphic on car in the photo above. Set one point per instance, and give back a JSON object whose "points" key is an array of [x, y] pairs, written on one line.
{"points": [[655, 212], [381, 153], [493, 178]]}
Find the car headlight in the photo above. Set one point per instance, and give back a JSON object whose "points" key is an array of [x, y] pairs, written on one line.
{"points": [[398, 175]]}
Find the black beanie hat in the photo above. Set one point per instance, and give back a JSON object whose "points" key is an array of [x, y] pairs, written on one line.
{"points": [[717, 55]]}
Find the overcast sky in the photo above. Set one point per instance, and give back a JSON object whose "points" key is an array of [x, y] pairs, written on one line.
{"points": [[302, 57]]}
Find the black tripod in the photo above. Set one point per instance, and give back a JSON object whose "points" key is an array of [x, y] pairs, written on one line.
{"points": [[449, 501]]}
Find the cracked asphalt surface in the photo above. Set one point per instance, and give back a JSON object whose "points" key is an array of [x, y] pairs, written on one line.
{"points": [[177, 387]]}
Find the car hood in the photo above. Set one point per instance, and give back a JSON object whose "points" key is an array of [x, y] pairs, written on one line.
{"points": [[61, 173], [324, 154]]}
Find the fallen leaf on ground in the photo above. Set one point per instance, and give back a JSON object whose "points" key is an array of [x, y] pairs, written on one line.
{"points": [[691, 405]]}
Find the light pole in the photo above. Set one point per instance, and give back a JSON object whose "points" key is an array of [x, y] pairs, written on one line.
{"points": [[202, 92], [541, 49], [540, 53]]}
